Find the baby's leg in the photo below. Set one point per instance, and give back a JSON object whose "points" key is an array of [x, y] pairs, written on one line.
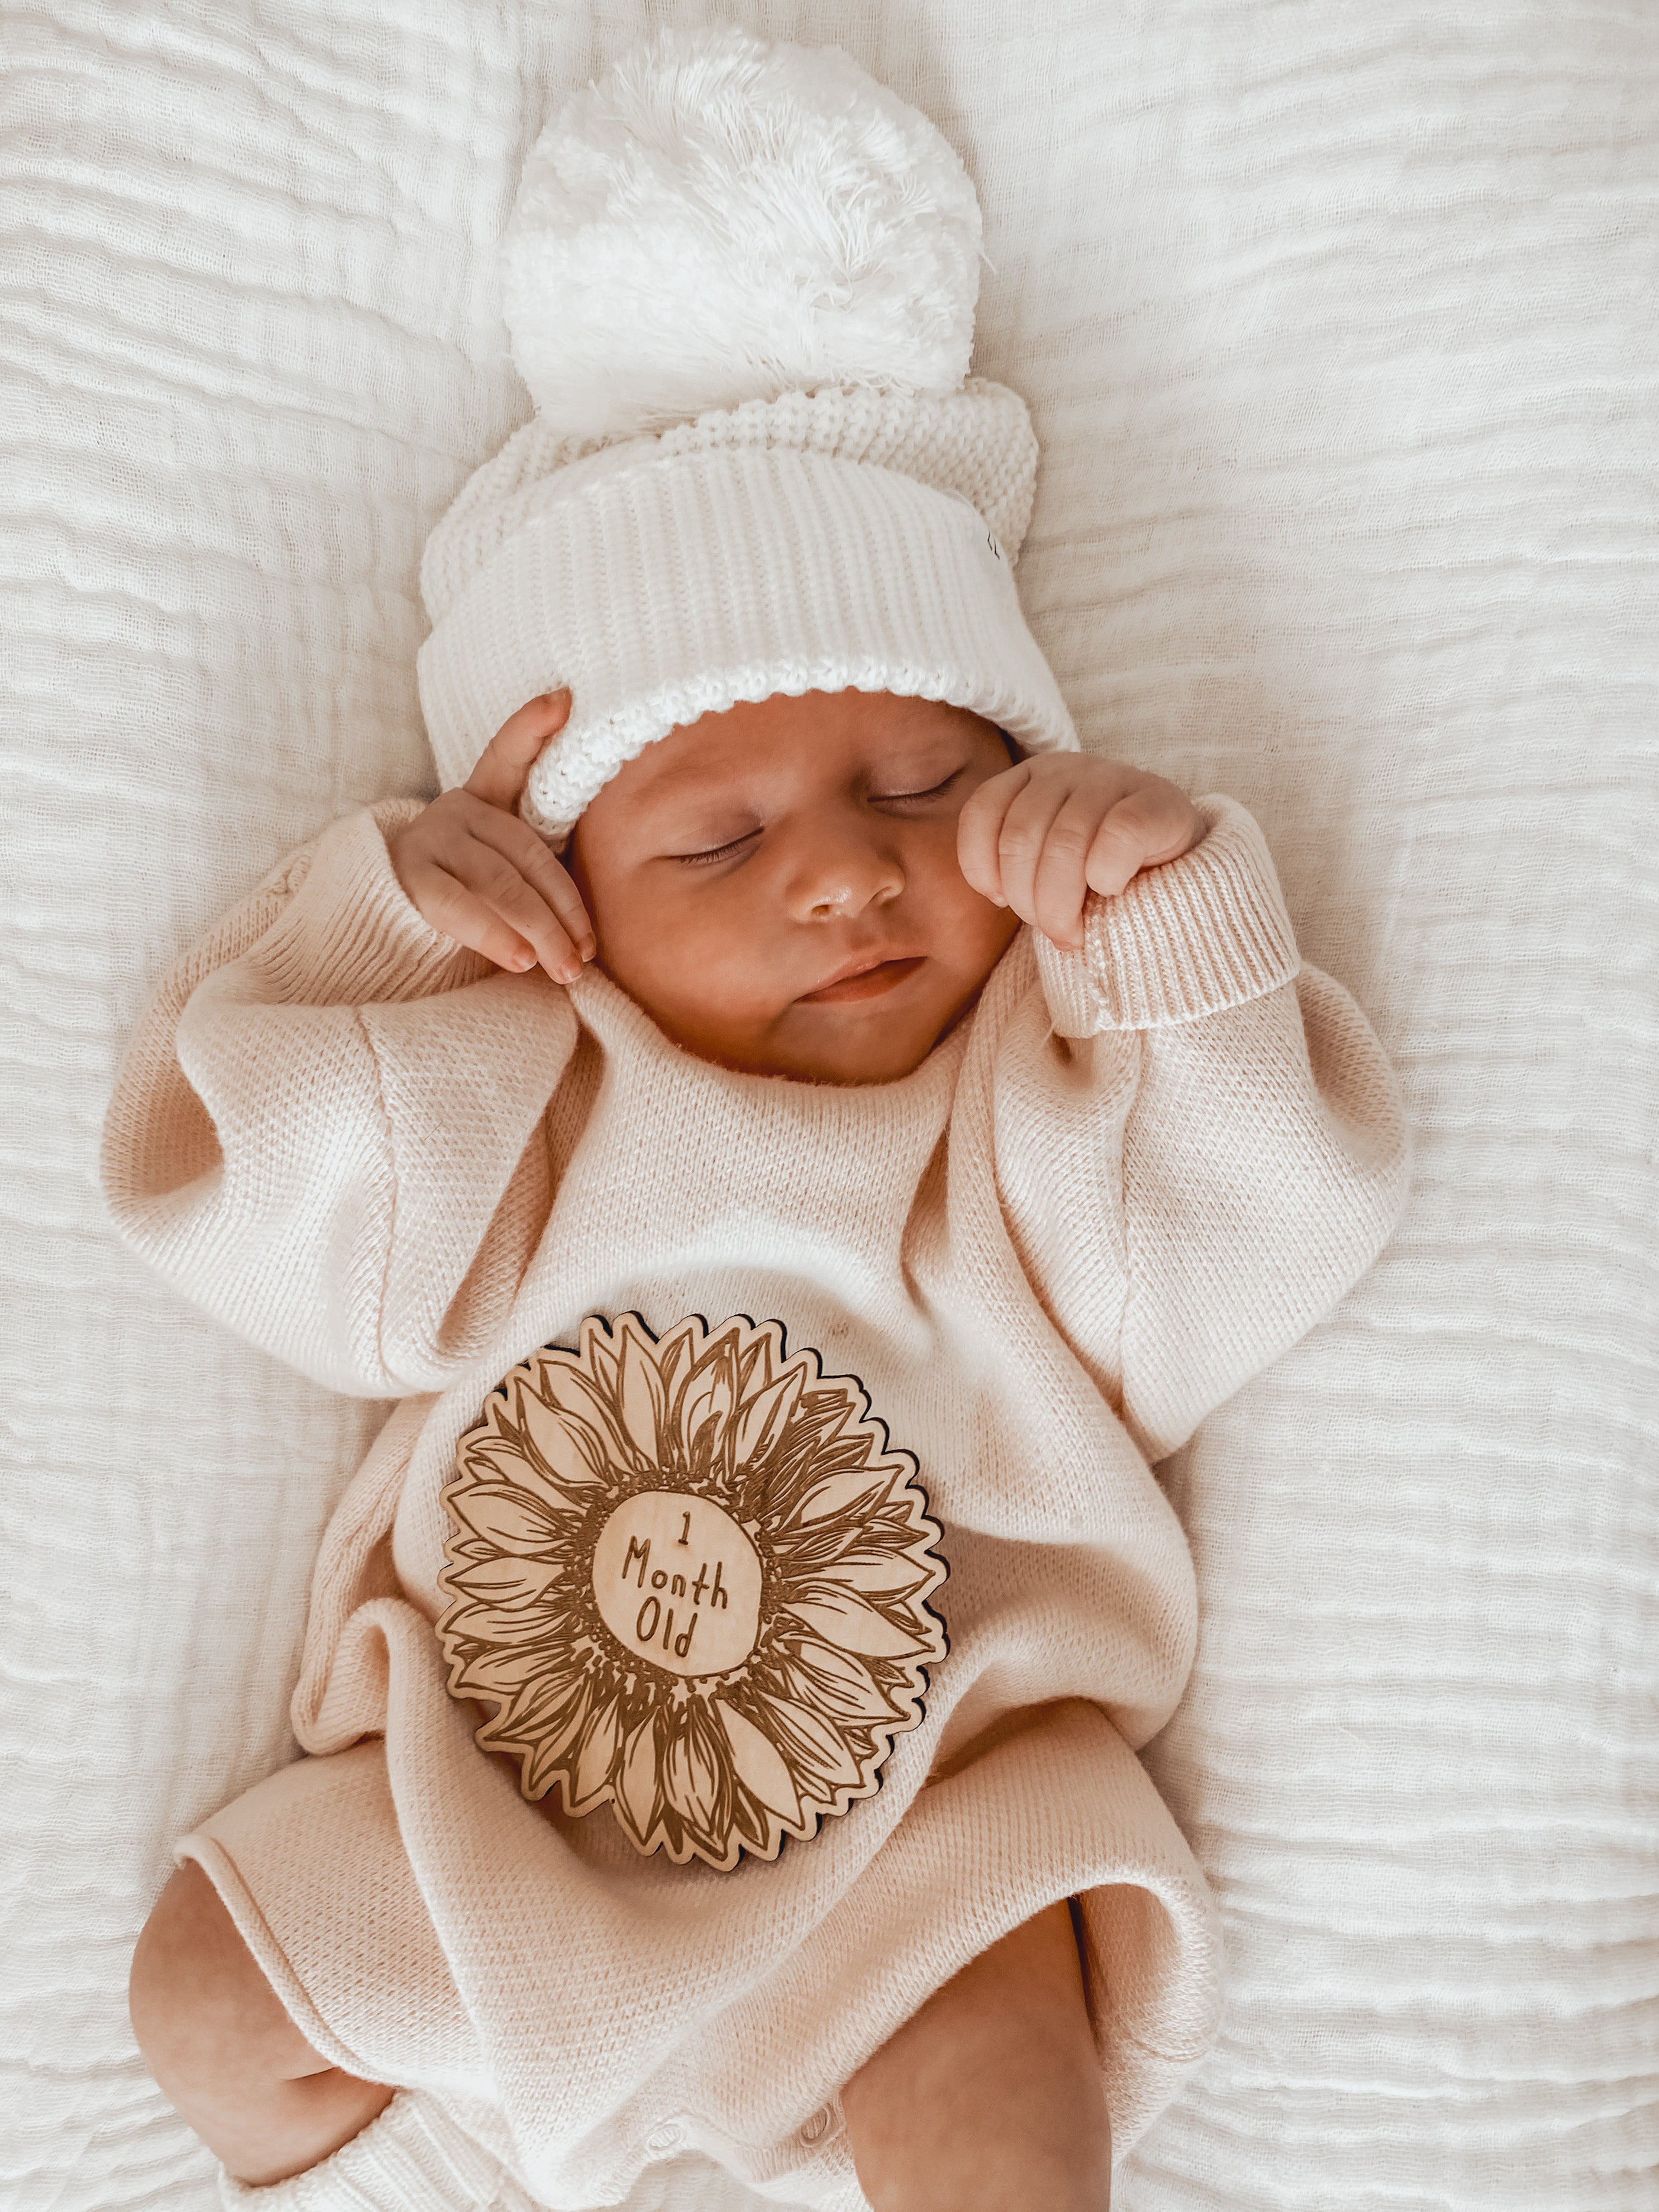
{"points": [[216, 2036], [989, 2098]]}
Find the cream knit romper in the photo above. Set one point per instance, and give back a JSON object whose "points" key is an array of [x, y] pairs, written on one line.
{"points": [[1125, 1183]]}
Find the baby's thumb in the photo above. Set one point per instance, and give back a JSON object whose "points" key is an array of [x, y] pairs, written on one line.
{"points": [[511, 754]]}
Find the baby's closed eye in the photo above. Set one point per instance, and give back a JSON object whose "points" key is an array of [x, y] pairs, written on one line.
{"points": [[901, 798], [724, 851], [699, 852]]}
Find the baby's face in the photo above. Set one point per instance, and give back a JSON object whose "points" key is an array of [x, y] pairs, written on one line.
{"points": [[777, 886]]}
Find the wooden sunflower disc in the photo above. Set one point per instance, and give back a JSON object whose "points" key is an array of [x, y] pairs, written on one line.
{"points": [[692, 1577]]}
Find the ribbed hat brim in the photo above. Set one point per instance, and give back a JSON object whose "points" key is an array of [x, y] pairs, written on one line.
{"points": [[680, 588]]}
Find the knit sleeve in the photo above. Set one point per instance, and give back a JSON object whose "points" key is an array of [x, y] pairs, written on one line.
{"points": [[325, 1130], [1259, 1154]]}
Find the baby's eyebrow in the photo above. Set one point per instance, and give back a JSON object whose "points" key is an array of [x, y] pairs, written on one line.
{"points": [[675, 783], [922, 768], [697, 817], [922, 762]]}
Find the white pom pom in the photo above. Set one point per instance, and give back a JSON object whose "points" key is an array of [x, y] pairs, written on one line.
{"points": [[719, 220]]}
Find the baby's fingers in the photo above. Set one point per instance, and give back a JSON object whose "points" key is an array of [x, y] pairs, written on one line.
{"points": [[1022, 836], [979, 830], [485, 877], [475, 895], [543, 904], [1060, 882], [1153, 824], [511, 754], [457, 912]]}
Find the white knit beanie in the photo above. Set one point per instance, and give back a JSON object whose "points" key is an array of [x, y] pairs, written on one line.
{"points": [[740, 280]]}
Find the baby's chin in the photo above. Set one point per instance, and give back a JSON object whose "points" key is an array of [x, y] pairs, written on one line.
{"points": [[866, 1059], [878, 1041]]}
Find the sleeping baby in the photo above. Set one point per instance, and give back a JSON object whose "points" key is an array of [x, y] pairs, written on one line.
{"points": [[798, 1138]]}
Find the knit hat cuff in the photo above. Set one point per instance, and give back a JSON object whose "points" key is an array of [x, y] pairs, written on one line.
{"points": [[760, 571]]}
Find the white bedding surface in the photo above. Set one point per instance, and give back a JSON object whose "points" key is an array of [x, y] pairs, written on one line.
{"points": [[1336, 323]]}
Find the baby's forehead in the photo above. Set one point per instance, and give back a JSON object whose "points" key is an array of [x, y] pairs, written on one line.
{"points": [[810, 729], [790, 750]]}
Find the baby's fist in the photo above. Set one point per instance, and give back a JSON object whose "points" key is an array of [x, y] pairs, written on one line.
{"points": [[1045, 833]]}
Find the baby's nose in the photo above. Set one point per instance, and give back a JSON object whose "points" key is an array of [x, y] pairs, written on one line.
{"points": [[833, 885], [836, 859]]}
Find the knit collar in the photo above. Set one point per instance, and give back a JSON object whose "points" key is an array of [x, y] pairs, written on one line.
{"points": [[694, 1188], [710, 1143]]}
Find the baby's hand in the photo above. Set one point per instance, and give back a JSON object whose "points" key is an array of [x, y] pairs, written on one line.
{"points": [[1045, 832], [484, 877]]}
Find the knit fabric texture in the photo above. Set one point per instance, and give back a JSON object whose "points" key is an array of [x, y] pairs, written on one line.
{"points": [[412, 2158], [740, 280], [662, 581], [1118, 1189]]}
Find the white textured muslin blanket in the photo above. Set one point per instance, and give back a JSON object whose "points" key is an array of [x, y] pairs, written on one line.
{"points": [[1335, 322]]}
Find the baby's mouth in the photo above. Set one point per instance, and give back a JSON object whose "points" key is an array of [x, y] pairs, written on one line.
{"points": [[870, 981]]}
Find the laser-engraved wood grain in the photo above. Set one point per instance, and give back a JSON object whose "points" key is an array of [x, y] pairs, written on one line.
{"points": [[692, 1577]]}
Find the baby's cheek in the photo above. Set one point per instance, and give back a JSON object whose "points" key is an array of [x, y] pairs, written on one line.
{"points": [[969, 934], [727, 984]]}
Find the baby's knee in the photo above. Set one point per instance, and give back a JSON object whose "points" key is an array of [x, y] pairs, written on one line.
{"points": [[989, 2098], [204, 2016]]}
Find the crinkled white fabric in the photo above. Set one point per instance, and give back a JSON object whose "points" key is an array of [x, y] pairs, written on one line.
{"points": [[1335, 327]]}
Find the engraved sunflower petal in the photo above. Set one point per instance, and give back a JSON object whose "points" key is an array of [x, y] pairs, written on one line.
{"points": [[801, 1688], [637, 1798], [573, 1451], [504, 1581], [501, 1673], [696, 1406], [639, 1389], [547, 1708], [598, 1354], [816, 1755], [756, 1763], [587, 1399], [598, 1753], [766, 1415], [504, 1462], [497, 1624], [671, 1350], [842, 1682], [552, 1755], [707, 1396], [879, 1574], [853, 1492], [691, 1777], [851, 1626], [511, 1518]]}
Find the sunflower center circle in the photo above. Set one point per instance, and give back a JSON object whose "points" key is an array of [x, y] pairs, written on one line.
{"points": [[679, 1583]]}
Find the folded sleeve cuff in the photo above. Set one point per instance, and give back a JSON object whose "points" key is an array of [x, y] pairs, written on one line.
{"points": [[1192, 938], [347, 935]]}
